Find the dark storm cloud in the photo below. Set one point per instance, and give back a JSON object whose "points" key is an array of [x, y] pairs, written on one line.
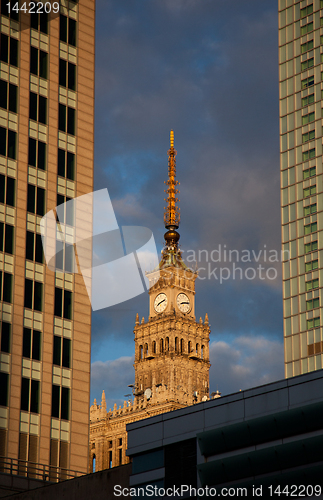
{"points": [[208, 69]]}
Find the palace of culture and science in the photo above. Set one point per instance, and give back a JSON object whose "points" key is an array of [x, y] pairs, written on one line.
{"points": [[171, 348]]}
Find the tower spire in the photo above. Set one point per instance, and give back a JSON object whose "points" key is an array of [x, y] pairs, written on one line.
{"points": [[172, 211]]}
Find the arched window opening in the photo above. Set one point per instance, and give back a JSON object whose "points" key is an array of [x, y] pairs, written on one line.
{"points": [[140, 352], [146, 349], [197, 349], [176, 344], [93, 463], [167, 344], [154, 347], [202, 351], [161, 345], [182, 345], [189, 347]]}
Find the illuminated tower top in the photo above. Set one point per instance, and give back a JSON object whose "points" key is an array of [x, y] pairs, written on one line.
{"points": [[172, 211]]}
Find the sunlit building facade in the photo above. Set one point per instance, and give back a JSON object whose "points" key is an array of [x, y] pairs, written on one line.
{"points": [[46, 158], [301, 92]]}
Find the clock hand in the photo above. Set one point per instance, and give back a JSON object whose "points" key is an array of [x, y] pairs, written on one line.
{"points": [[184, 303], [161, 302]]}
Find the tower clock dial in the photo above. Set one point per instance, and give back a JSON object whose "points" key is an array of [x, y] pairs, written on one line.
{"points": [[160, 302], [183, 302]]}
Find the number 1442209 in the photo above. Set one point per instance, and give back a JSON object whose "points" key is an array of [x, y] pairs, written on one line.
{"points": [[34, 7]]}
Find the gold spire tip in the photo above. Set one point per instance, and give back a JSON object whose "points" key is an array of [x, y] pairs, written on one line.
{"points": [[172, 214]]}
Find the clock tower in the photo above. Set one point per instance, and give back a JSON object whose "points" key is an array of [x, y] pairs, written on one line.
{"points": [[171, 347]]}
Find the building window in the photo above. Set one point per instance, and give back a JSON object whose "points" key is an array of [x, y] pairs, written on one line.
{"points": [[66, 210], [12, 13], [60, 402], [310, 228], [36, 200], [312, 304], [29, 400], [313, 323], [8, 143], [311, 209], [309, 191], [307, 64], [37, 154], [38, 108], [309, 136], [66, 164], [9, 50], [67, 74], [310, 117], [311, 266], [38, 62], [63, 303], [6, 238], [5, 337], [67, 30], [311, 247], [34, 247], [33, 295], [308, 155], [4, 384], [309, 172], [39, 22], [66, 119], [306, 28], [307, 46], [65, 257], [31, 347], [306, 11], [311, 285], [7, 190], [309, 99], [6, 287], [62, 352], [8, 96], [307, 82]]}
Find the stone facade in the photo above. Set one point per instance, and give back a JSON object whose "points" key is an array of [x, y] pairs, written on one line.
{"points": [[171, 370]]}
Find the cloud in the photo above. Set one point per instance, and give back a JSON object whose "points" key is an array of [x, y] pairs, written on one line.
{"points": [[112, 376], [248, 361]]}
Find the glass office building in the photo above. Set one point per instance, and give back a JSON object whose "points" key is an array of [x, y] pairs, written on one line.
{"points": [[301, 94]]}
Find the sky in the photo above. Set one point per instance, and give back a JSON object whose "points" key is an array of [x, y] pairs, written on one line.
{"points": [[208, 69]]}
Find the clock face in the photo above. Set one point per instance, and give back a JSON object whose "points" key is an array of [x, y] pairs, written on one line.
{"points": [[183, 302], [160, 302]]}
